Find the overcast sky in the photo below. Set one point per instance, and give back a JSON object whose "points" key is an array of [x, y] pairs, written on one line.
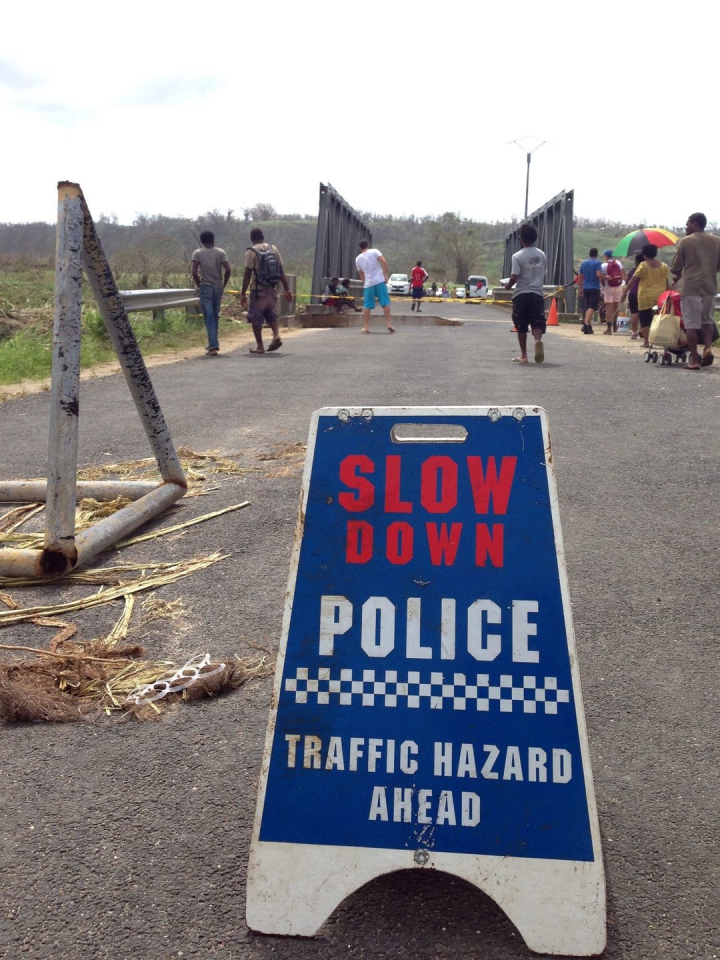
{"points": [[179, 108]]}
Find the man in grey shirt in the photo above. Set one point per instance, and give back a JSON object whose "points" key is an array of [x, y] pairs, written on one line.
{"points": [[211, 272], [527, 276]]}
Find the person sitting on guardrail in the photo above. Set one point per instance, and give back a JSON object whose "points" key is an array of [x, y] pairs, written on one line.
{"points": [[211, 272], [330, 296], [346, 299]]}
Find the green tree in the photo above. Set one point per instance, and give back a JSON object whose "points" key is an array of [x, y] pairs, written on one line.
{"points": [[459, 242]]}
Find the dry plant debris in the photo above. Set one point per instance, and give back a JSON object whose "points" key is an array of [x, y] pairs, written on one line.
{"points": [[197, 467], [156, 575], [74, 680], [71, 681]]}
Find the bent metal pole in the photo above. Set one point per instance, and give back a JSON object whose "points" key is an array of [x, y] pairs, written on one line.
{"points": [[128, 353]]}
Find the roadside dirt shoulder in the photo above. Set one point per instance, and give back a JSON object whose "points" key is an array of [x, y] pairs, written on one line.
{"points": [[230, 341]]}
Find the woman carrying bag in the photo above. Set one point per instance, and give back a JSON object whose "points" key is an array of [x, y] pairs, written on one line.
{"points": [[649, 280]]}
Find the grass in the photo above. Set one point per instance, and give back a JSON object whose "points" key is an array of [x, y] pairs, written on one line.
{"points": [[26, 321], [28, 354]]}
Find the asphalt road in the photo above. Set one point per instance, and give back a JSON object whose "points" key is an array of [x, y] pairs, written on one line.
{"points": [[126, 840]]}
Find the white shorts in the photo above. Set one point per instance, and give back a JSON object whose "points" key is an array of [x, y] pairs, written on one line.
{"points": [[697, 311], [613, 294]]}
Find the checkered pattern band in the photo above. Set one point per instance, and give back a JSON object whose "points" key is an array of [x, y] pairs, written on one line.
{"points": [[384, 689]]}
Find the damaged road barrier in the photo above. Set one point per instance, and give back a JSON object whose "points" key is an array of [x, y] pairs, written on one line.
{"points": [[79, 249], [185, 677]]}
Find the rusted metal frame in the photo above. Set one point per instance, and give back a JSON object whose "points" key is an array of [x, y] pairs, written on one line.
{"points": [[128, 353], [77, 238], [65, 383], [35, 491]]}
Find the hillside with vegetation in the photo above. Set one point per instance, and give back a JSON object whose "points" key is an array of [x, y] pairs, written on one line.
{"points": [[155, 251]]}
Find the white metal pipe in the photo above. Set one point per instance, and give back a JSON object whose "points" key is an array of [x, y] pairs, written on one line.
{"points": [[24, 563], [101, 536], [34, 491], [65, 383]]}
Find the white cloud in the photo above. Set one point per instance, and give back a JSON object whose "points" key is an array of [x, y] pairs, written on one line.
{"points": [[175, 108]]}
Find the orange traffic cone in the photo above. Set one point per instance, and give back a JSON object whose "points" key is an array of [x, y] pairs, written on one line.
{"points": [[552, 320]]}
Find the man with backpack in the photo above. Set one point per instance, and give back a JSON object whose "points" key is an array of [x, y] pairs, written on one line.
{"points": [[264, 269], [612, 277]]}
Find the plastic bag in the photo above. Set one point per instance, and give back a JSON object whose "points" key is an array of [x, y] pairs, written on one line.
{"points": [[665, 328]]}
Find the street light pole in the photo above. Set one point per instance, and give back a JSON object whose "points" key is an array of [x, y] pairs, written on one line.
{"points": [[529, 154]]}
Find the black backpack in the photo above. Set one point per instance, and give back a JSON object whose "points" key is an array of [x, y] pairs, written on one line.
{"points": [[267, 272]]}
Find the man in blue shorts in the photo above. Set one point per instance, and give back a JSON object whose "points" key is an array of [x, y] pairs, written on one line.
{"points": [[589, 288], [373, 270]]}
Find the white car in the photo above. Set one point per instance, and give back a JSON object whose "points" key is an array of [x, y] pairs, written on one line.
{"points": [[478, 286], [399, 284]]}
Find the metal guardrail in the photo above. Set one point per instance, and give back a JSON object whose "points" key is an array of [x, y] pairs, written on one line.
{"points": [[136, 300]]}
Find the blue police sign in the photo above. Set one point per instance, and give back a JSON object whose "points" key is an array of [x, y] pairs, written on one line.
{"points": [[428, 708]]}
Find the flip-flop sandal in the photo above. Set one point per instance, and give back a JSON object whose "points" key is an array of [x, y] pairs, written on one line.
{"points": [[392, 329], [692, 366], [275, 345], [364, 330], [256, 351], [518, 360], [539, 352], [707, 360]]}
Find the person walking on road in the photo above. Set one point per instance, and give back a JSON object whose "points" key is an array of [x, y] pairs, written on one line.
{"points": [[632, 299], [264, 269], [649, 281], [527, 276], [373, 271], [612, 278], [696, 265], [211, 272], [589, 287], [417, 280]]}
